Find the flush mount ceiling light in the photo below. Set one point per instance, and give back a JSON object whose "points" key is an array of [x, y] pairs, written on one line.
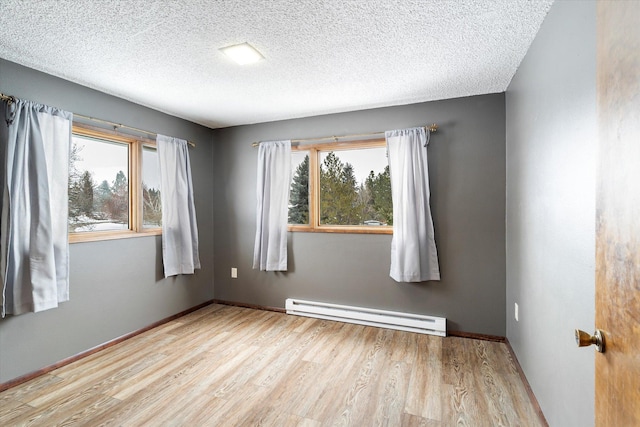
{"points": [[242, 53]]}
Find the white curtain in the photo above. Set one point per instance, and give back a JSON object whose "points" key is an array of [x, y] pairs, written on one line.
{"points": [[179, 226], [274, 174], [34, 246], [413, 249]]}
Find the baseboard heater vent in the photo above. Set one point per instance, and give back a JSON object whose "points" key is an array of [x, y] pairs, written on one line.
{"points": [[369, 316]]}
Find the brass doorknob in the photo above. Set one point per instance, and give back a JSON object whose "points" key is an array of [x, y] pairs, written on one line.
{"points": [[584, 339]]}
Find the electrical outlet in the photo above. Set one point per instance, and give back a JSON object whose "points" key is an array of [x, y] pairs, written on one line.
{"points": [[234, 273], [516, 311]]}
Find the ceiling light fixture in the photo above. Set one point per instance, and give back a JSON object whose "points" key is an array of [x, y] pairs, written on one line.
{"points": [[242, 53]]}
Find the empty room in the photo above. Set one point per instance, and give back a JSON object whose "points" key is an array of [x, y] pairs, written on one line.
{"points": [[311, 213]]}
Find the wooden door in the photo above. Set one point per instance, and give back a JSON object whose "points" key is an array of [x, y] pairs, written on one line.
{"points": [[618, 213]]}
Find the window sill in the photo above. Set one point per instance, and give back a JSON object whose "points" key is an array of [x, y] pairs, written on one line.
{"points": [[97, 236], [341, 229]]}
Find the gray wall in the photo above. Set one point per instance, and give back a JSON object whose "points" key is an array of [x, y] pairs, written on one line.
{"points": [[551, 152], [116, 286], [466, 161]]}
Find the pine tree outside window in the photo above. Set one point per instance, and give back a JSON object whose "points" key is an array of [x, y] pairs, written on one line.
{"points": [[341, 187], [299, 193], [113, 186]]}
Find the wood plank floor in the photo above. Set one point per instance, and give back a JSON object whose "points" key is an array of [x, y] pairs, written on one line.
{"points": [[232, 366]]}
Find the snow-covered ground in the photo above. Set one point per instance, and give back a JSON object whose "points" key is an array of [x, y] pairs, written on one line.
{"points": [[84, 223]]}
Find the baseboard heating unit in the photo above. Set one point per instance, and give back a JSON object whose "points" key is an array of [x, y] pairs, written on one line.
{"points": [[369, 316]]}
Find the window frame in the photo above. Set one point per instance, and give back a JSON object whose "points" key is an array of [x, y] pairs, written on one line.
{"points": [[314, 225], [135, 144]]}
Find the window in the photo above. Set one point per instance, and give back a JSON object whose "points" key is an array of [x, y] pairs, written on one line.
{"points": [[114, 185], [341, 187]]}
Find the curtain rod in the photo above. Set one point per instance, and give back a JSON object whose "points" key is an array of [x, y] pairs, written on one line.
{"points": [[10, 100], [432, 128], [118, 125], [7, 98]]}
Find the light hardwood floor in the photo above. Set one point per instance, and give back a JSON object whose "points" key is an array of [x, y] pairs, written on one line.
{"points": [[228, 366]]}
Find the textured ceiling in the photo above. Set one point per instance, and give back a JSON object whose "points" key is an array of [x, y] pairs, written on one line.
{"points": [[322, 56]]}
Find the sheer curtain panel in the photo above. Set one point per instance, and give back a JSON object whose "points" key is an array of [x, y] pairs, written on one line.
{"points": [[413, 249], [179, 226], [274, 175], [34, 246]]}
